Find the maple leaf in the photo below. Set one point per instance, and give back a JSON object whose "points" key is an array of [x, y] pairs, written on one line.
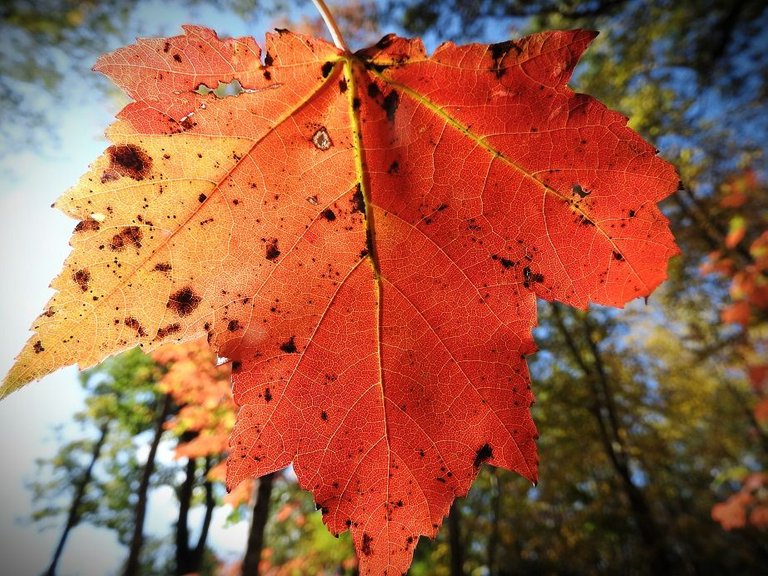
{"points": [[364, 236]]}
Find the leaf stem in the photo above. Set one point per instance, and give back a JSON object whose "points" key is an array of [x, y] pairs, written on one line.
{"points": [[333, 28]]}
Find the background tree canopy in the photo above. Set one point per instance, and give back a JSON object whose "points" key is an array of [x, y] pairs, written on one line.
{"points": [[653, 420]]}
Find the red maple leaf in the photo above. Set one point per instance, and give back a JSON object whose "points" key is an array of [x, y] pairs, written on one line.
{"points": [[364, 236]]}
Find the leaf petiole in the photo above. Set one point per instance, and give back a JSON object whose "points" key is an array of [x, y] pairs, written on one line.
{"points": [[333, 28]]}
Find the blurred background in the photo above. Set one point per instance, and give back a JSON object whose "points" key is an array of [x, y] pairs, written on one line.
{"points": [[653, 419]]}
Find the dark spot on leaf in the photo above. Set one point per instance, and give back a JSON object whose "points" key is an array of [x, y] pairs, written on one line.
{"points": [[233, 325], [498, 51], [328, 214], [373, 90], [365, 547], [505, 262], [177, 57], [131, 322], [483, 454], [236, 366], [632, 213], [184, 301], [390, 104], [363, 253], [580, 192], [168, 330], [617, 255], [324, 415], [385, 42], [130, 160], [355, 103], [272, 249], [87, 226], [201, 198], [268, 60], [267, 395], [81, 278], [128, 235], [38, 347], [289, 347], [529, 277], [326, 69], [358, 202], [187, 123], [394, 168], [167, 47], [162, 267], [343, 85], [267, 75]]}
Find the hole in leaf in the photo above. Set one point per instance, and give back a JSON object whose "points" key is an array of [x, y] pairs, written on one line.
{"points": [[223, 89]]}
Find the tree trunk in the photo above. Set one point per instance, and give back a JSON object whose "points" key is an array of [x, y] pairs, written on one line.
{"points": [[258, 523], [189, 560], [185, 560], [132, 565], [210, 504], [495, 533], [455, 540], [73, 518]]}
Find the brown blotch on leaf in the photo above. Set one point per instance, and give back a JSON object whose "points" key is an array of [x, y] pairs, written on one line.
{"points": [[617, 255], [267, 395], [82, 278], [233, 325], [365, 547], [498, 52], [357, 201], [505, 262], [326, 69], [236, 366], [531, 277], [38, 347], [201, 198], [272, 250], [177, 58], [373, 90], [394, 168], [342, 85], [131, 322], [390, 104], [328, 214], [289, 347], [128, 235], [187, 123], [183, 302], [168, 330], [162, 267], [483, 454], [579, 191], [321, 139], [87, 226], [130, 160], [324, 415]]}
